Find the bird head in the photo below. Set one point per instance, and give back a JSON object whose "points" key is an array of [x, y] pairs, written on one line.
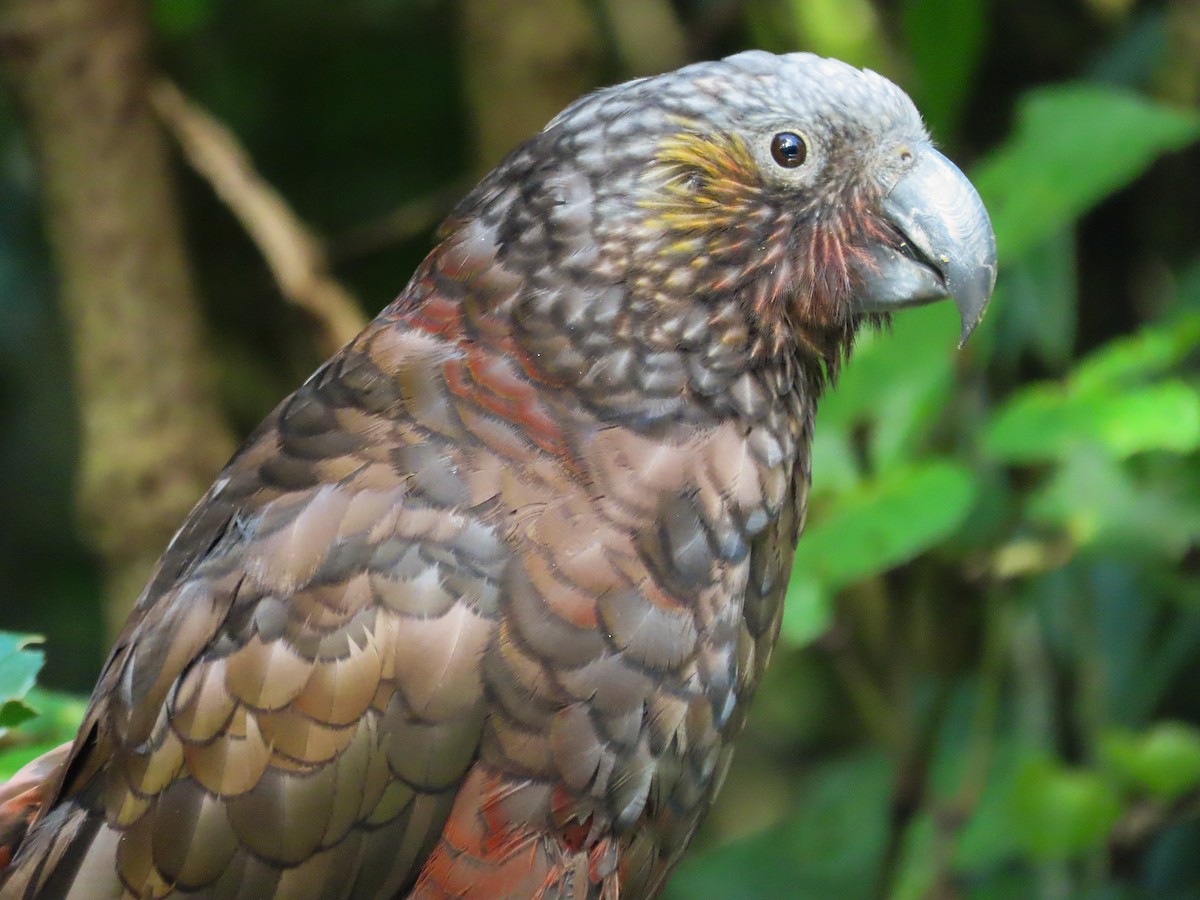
{"points": [[785, 199]]}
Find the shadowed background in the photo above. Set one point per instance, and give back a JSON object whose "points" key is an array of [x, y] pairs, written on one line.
{"points": [[986, 684]]}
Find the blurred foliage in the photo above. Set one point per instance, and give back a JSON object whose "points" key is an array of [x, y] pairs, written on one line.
{"points": [[20, 661], [46, 718], [985, 687]]}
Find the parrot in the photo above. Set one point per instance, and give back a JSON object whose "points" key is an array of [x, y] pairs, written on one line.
{"points": [[479, 610]]}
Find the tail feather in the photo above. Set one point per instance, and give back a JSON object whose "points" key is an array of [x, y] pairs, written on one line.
{"points": [[42, 847], [48, 861], [22, 798]]}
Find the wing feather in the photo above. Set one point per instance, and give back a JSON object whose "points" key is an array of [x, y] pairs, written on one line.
{"points": [[297, 695]]}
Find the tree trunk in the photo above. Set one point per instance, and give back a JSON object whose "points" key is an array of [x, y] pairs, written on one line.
{"points": [[522, 63], [152, 435]]}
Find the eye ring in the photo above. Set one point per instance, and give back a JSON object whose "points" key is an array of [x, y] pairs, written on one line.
{"points": [[789, 149]]}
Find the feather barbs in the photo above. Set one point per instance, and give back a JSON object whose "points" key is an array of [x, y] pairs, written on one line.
{"points": [[706, 183]]}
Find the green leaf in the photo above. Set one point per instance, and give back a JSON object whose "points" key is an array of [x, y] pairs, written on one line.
{"points": [[988, 839], [1035, 307], [846, 29], [14, 713], [1164, 416], [831, 849], [1099, 502], [834, 468], [20, 661], [180, 17], [1072, 146], [1164, 761], [809, 610], [1039, 423], [1062, 812], [58, 716], [1047, 422], [872, 528], [944, 39], [1138, 49], [1152, 351], [917, 873], [887, 522], [896, 384]]}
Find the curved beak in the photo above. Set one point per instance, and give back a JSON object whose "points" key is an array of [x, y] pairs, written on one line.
{"points": [[944, 246]]}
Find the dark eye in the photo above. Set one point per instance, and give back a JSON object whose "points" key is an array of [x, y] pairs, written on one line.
{"points": [[788, 149]]}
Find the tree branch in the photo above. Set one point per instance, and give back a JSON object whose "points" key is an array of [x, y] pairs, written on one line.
{"points": [[407, 221], [295, 256]]}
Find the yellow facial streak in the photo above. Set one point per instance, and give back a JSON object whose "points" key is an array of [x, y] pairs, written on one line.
{"points": [[705, 182]]}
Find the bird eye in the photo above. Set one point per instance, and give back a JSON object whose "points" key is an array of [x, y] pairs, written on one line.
{"points": [[788, 149]]}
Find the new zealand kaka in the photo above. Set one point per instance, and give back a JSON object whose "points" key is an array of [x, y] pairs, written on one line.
{"points": [[479, 609]]}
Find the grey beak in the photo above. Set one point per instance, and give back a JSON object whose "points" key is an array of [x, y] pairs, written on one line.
{"points": [[946, 247]]}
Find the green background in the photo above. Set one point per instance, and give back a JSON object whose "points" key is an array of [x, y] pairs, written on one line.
{"points": [[986, 686]]}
